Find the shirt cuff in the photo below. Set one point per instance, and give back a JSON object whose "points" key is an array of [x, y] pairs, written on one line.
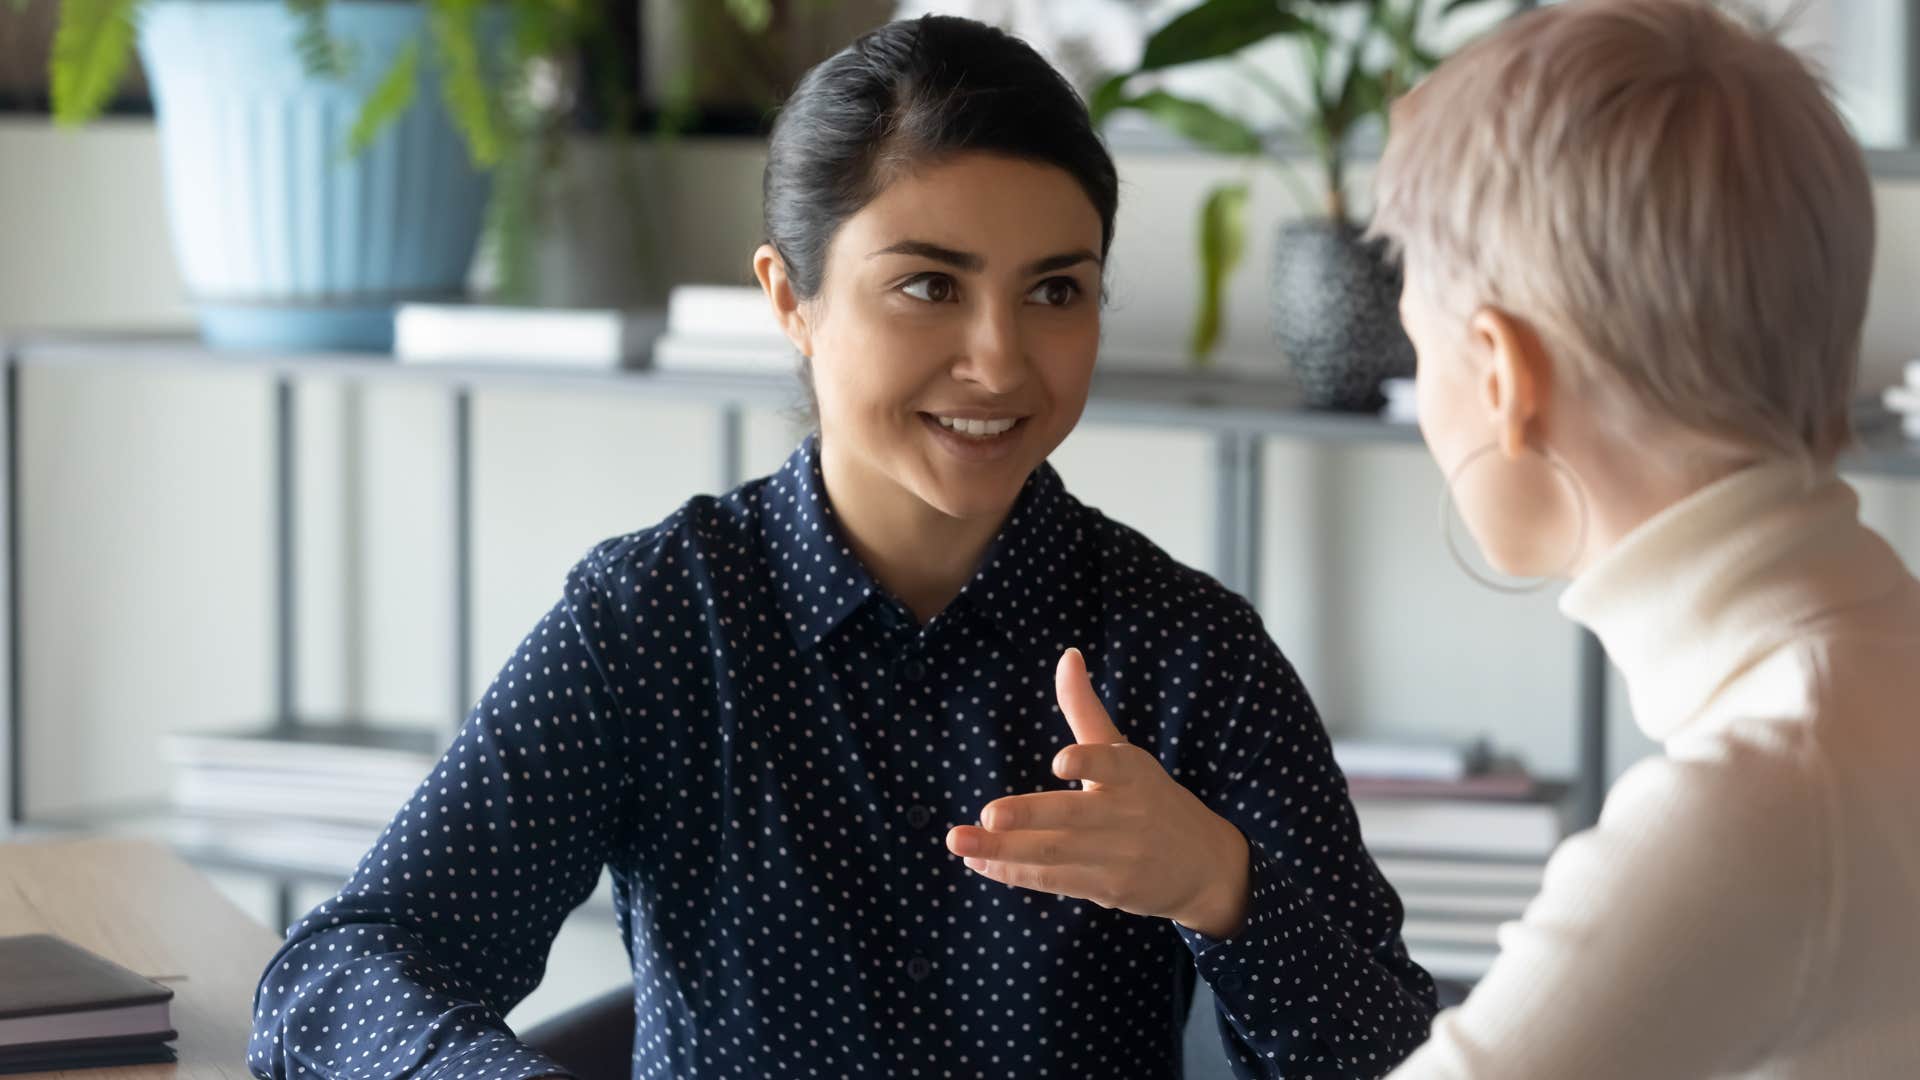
{"points": [[1240, 968], [496, 1055]]}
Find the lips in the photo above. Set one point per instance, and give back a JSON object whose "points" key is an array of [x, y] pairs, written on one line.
{"points": [[975, 427], [998, 438]]}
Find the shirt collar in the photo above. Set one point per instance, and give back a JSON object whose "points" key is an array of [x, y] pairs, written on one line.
{"points": [[1030, 582], [1708, 587], [817, 579]]}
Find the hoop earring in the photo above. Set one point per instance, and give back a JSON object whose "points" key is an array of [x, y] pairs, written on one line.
{"points": [[1453, 547]]}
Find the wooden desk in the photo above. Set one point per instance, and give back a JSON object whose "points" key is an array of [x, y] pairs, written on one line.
{"points": [[137, 904]]}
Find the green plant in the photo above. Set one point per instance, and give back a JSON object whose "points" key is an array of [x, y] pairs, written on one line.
{"points": [[1359, 55], [507, 86]]}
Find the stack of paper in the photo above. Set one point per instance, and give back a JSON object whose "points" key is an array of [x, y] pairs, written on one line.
{"points": [[1904, 400], [602, 338], [1455, 907], [309, 796], [1402, 405], [723, 328], [1463, 836]]}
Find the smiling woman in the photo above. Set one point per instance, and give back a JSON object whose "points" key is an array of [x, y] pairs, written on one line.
{"points": [[760, 713], [952, 355]]}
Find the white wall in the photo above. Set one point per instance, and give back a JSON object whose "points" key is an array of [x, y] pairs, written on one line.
{"points": [[147, 607], [1866, 47]]}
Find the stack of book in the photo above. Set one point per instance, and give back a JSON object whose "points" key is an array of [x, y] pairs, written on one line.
{"points": [[62, 1007], [709, 328], [723, 328], [1402, 405], [298, 797], [525, 337], [1462, 835], [1904, 401]]}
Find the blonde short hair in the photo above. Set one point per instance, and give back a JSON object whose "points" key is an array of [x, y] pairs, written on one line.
{"points": [[1668, 196]]}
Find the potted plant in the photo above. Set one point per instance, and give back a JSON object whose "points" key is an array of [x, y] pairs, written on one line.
{"points": [[326, 160], [1334, 296]]}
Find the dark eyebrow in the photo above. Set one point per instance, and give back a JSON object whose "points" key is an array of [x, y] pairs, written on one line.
{"points": [[960, 260], [973, 264], [1060, 262]]}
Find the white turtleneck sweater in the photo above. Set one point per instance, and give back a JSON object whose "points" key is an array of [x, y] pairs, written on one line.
{"points": [[1749, 903]]}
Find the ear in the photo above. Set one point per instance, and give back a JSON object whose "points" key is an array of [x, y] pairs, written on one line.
{"points": [[1517, 383], [771, 270]]}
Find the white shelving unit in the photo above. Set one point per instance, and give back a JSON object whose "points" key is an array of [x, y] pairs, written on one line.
{"points": [[1239, 414]]}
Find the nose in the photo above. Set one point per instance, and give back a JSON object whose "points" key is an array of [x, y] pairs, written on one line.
{"points": [[993, 357]]}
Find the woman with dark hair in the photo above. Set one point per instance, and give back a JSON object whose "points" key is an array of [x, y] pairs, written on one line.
{"points": [[760, 713]]}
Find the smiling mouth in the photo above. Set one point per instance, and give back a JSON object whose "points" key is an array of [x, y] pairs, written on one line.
{"points": [[976, 429]]}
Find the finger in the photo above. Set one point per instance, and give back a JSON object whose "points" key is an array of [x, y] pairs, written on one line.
{"points": [[1071, 881], [1043, 810], [1038, 847], [1085, 715], [1100, 766]]}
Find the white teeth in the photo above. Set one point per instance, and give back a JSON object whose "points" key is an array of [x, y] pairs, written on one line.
{"points": [[979, 429]]}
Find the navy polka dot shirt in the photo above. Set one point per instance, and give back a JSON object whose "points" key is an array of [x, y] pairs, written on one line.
{"points": [[766, 752]]}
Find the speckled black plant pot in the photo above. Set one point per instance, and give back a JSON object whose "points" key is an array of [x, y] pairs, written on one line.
{"points": [[1336, 314]]}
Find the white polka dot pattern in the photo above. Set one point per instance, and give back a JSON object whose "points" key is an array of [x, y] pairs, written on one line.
{"points": [[766, 751]]}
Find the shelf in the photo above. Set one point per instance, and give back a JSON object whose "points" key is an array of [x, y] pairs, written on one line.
{"points": [[1224, 403], [211, 858], [156, 822], [1215, 402], [1882, 450], [1238, 410]]}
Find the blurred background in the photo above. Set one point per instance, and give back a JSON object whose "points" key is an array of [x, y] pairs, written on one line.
{"points": [[239, 504]]}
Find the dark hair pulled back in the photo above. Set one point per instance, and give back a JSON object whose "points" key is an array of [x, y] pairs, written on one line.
{"points": [[907, 95]]}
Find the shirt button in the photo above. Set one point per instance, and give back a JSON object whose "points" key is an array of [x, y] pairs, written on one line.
{"points": [[919, 816], [913, 670], [1229, 982], [919, 968]]}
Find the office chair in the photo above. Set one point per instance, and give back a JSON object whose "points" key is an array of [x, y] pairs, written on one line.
{"points": [[593, 1040]]}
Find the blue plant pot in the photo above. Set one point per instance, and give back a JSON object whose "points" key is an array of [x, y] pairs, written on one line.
{"points": [[284, 239]]}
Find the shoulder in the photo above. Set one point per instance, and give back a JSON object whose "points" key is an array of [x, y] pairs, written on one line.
{"points": [[1751, 776], [1144, 588], [1710, 791], [705, 535], [1705, 874], [658, 588], [1686, 928], [1733, 825]]}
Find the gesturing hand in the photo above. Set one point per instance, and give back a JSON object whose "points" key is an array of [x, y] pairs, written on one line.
{"points": [[1133, 839]]}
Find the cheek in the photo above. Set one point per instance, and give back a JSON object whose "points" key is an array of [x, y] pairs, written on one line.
{"points": [[866, 364], [1442, 401], [1064, 363]]}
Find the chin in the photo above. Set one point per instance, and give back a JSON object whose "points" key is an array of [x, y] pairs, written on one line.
{"points": [[971, 499], [1518, 564], [1511, 567], [964, 486]]}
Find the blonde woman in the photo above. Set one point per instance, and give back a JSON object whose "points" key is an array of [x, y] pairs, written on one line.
{"points": [[1637, 240]]}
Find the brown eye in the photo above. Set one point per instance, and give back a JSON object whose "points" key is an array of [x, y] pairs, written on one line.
{"points": [[1055, 292], [933, 288]]}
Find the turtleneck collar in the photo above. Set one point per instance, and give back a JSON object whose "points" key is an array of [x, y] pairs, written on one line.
{"points": [[1711, 585]]}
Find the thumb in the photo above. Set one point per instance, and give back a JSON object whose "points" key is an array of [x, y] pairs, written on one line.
{"points": [[1085, 715]]}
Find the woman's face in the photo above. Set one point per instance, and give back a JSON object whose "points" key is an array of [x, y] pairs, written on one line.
{"points": [[954, 335]]}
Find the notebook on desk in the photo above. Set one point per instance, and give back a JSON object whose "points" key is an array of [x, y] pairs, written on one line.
{"points": [[62, 1007]]}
